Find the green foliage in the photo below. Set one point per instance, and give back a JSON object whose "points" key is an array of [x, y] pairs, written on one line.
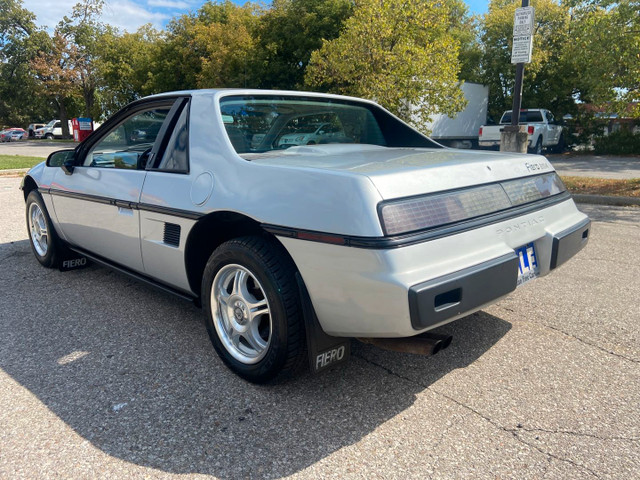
{"points": [[623, 142], [550, 79], [605, 51], [125, 67], [225, 36], [289, 33], [584, 51], [19, 43], [402, 55]]}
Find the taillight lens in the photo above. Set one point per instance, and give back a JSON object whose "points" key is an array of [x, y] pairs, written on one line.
{"points": [[435, 210], [480, 132], [530, 129]]}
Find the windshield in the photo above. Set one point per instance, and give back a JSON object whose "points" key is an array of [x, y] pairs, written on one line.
{"points": [[266, 123], [51, 123]]}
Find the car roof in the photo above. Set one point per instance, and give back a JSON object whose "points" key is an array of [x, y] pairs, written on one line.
{"points": [[219, 92]]}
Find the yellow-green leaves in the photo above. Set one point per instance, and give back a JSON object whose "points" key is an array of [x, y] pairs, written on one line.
{"points": [[400, 54]]}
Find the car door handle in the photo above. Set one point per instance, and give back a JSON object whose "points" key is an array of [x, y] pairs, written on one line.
{"points": [[123, 204]]}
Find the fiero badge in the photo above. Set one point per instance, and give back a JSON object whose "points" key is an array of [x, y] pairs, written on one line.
{"points": [[537, 166]]}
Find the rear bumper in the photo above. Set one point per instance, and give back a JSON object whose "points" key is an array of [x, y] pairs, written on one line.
{"points": [[400, 292], [433, 302]]}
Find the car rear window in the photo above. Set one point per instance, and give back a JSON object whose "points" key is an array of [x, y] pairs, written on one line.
{"points": [[525, 117], [266, 123]]}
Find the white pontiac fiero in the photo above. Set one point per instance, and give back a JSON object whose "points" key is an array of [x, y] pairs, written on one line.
{"points": [[288, 240]]}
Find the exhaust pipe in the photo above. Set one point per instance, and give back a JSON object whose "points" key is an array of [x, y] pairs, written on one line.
{"points": [[425, 344]]}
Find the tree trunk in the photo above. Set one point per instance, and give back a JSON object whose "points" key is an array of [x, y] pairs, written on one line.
{"points": [[89, 94], [64, 121]]}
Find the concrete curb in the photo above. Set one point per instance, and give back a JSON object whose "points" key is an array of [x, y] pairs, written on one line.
{"points": [[607, 200]]}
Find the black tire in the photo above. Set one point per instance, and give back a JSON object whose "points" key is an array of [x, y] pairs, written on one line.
{"points": [[47, 252], [49, 136], [537, 149], [270, 276]]}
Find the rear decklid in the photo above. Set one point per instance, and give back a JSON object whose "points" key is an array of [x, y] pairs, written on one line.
{"points": [[405, 172]]}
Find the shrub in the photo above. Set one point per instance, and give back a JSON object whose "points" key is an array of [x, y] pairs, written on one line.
{"points": [[623, 142]]}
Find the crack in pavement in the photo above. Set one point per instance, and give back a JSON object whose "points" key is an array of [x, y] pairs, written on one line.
{"points": [[619, 355], [573, 433], [575, 337], [513, 432]]}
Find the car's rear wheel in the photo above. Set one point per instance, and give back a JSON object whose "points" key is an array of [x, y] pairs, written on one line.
{"points": [[42, 237], [254, 316]]}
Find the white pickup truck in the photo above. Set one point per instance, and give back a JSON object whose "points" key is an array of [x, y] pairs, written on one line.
{"points": [[53, 129], [544, 131]]}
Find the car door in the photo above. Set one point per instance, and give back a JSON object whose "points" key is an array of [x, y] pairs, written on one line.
{"points": [[553, 128], [97, 203]]}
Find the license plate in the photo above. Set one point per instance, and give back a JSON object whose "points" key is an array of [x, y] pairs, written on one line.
{"points": [[528, 268]]}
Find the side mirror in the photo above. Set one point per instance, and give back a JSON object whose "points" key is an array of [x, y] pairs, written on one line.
{"points": [[63, 159]]}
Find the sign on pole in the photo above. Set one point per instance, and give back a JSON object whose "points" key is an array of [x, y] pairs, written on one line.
{"points": [[522, 35]]}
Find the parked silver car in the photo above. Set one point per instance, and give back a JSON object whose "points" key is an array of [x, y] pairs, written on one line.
{"points": [[381, 233]]}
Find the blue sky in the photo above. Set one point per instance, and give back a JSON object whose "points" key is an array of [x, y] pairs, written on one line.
{"points": [[130, 14]]}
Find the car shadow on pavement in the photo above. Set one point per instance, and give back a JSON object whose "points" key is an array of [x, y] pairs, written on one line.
{"points": [[132, 371]]}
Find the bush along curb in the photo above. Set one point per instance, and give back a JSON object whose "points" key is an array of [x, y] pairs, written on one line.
{"points": [[607, 200]]}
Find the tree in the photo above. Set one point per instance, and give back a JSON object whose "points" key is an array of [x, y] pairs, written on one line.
{"points": [[550, 80], [126, 67], [57, 76], [605, 50], [20, 40], [85, 32], [403, 55], [225, 36], [287, 35]]}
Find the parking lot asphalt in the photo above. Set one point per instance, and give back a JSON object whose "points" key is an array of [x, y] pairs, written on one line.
{"points": [[596, 166], [103, 377], [34, 148]]}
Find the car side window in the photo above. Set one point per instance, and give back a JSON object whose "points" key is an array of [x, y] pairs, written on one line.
{"points": [[550, 118], [176, 153], [127, 146]]}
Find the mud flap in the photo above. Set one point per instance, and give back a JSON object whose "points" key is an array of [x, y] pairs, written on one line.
{"points": [[324, 350]]}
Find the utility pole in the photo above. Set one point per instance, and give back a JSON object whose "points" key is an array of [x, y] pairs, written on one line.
{"points": [[513, 138]]}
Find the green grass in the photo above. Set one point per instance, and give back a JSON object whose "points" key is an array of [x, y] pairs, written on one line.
{"points": [[18, 161]]}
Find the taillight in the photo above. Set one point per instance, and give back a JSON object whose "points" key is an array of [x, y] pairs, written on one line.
{"points": [[434, 210], [480, 132], [530, 129]]}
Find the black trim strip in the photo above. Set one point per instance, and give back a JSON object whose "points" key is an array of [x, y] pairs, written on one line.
{"points": [[175, 212], [82, 196], [378, 243], [137, 276]]}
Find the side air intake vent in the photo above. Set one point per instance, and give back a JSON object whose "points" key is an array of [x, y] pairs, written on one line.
{"points": [[171, 234]]}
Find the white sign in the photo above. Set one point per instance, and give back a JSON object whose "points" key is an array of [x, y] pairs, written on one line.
{"points": [[522, 35]]}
